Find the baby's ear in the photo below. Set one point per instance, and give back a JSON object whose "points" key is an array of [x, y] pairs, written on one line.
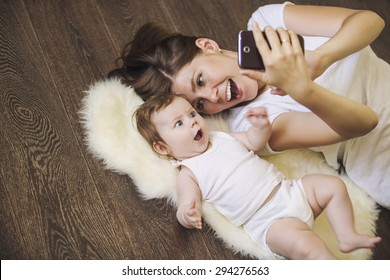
{"points": [[161, 148]]}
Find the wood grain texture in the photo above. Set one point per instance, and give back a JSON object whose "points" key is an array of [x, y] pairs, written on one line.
{"points": [[56, 200]]}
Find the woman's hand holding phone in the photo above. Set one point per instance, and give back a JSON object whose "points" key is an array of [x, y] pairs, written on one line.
{"points": [[284, 62]]}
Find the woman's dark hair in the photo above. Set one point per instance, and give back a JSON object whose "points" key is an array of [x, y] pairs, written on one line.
{"points": [[152, 59]]}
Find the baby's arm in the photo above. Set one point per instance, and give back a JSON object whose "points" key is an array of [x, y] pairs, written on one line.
{"points": [[189, 210], [259, 133]]}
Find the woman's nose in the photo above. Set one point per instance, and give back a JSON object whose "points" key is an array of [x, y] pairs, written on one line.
{"points": [[210, 94]]}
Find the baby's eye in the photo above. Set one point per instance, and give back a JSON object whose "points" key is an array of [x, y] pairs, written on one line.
{"points": [[199, 80], [192, 114], [199, 105], [178, 123]]}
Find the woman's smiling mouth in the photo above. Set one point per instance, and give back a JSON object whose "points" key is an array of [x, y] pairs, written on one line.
{"points": [[232, 90]]}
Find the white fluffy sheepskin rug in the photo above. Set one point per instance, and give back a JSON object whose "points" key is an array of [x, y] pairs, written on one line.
{"points": [[111, 136]]}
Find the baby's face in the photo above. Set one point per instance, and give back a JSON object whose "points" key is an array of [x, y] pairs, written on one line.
{"points": [[184, 131]]}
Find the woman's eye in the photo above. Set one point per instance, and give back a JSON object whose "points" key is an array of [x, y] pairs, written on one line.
{"points": [[199, 80], [178, 123], [199, 105]]}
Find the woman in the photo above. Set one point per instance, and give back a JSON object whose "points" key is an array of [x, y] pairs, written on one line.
{"points": [[327, 113]]}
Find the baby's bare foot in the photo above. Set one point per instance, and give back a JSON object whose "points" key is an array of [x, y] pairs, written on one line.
{"points": [[359, 241]]}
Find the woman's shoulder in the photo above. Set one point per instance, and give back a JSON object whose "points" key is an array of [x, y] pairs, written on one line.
{"points": [[271, 14]]}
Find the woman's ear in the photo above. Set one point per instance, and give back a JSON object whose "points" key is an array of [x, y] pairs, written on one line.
{"points": [[161, 148], [207, 45]]}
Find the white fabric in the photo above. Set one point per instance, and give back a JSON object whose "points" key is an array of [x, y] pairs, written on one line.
{"points": [[235, 180], [289, 202], [275, 105], [362, 77], [110, 135]]}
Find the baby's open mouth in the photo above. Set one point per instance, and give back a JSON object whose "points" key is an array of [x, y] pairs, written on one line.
{"points": [[232, 90], [198, 135]]}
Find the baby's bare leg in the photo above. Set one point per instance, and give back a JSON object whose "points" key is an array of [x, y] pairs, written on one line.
{"points": [[293, 239], [330, 192]]}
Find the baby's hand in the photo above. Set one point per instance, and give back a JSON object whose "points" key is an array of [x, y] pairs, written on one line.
{"points": [[258, 117], [193, 216]]}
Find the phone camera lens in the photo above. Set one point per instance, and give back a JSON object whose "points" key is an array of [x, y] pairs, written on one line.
{"points": [[246, 49]]}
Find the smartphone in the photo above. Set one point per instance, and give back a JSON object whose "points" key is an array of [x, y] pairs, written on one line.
{"points": [[248, 55]]}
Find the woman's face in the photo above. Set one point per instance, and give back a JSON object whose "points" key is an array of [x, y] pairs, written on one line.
{"points": [[212, 82]]}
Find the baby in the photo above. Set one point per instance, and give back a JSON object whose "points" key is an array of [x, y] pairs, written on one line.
{"points": [[222, 168]]}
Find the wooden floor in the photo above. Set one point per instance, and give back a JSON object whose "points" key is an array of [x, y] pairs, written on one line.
{"points": [[56, 201]]}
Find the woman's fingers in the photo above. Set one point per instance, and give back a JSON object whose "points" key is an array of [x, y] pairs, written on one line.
{"points": [[283, 60], [272, 38], [260, 41], [284, 37], [285, 40]]}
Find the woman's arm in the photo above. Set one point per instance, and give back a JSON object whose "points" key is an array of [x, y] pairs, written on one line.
{"points": [[286, 69], [347, 118], [301, 130], [189, 210], [350, 31]]}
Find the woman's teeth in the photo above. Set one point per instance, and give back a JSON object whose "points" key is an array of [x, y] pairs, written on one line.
{"points": [[228, 91]]}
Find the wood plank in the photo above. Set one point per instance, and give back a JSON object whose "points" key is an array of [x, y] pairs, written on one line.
{"points": [[11, 244], [55, 202], [123, 18], [218, 20]]}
